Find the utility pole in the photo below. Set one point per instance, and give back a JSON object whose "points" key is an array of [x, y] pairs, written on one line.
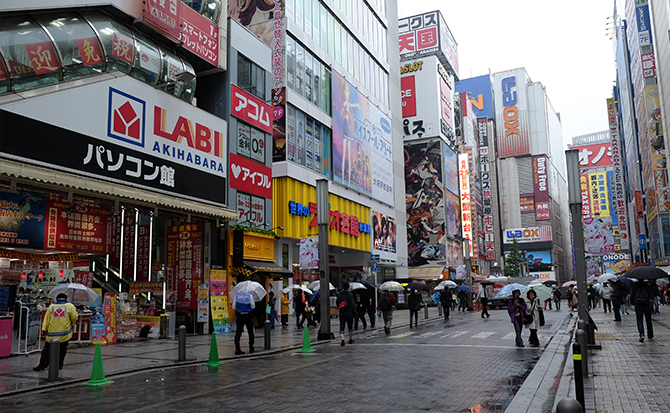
{"points": [[322, 213], [468, 271], [575, 201]]}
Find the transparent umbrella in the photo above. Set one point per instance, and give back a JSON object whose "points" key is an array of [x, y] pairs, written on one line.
{"points": [[506, 291], [392, 286], [296, 287], [75, 292], [252, 287], [542, 291], [316, 285], [356, 286]]}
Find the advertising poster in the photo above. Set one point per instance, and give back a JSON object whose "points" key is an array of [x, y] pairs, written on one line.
{"points": [[615, 263], [219, 303], [538, 260], [22, 217], [309, 253], [527, 204], [480, 90], [109, 314], [465, 201], [598, 236], [143, 250], [84, 278], [424, 203], [384, 232], [155, 288], [453, 214], [594, 264], [598, 185], [511, 113], [81, 227], [362, 143], [450, 170], [657, 146], [185, 258], [586, 196], [129, 248], [98, 327], [541, 188], [203, 303]]}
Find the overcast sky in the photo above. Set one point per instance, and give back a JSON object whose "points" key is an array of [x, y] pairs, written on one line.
{"points": [[562, 44]]}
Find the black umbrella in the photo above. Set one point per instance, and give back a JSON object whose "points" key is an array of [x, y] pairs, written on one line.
{"points": [[646, 273], [418, 286], [549, 283], [488, 282]]}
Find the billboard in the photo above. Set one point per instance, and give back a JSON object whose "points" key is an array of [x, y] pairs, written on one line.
{"points": [[450, 170], [511, 113], [466, 200], [586, 196], [538, 260], [525, 235], [427, 34], [479, 89], [598, 235], [384, 232], [425, 203], [408, 96], [615, 263], [487, 195], [184, 262], [122, 131], [362, 143], [453, 214], [527, 204], [541, 188], [591, 156], [657, 147], [599, 194], [618, 189]]}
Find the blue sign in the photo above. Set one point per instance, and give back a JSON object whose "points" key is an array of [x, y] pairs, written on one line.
{"points": [[374, 257], [22, 218], [643, 25], [375, 267], [643, 241], [480, 91]]}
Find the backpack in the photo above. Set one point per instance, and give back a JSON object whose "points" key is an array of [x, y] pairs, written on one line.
{"points": [[385, 304], [642, 296]]}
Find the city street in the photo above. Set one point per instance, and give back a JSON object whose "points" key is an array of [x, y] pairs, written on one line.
{"points": [[464, 363]]}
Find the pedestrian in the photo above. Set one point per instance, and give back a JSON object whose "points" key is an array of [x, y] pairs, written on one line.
{"points": [[516, 307], [656, 301], [347, 307], [547, 302], [299, 304], [485, 303], [361, 309], [284, 309], [573, 301], [370, 305], [606, 294], [532, 317], [273, 311], [642, 294], [436, 297], [624, 303], [445, 301], [557, 299], [316, 305], [462, 300], [591, 296], [386, 305], [244, 305], [59, 320], [618, 294], [414, 303]]}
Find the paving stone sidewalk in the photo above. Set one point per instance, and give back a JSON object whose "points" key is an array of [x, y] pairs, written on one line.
{"points": [[16, 374]]}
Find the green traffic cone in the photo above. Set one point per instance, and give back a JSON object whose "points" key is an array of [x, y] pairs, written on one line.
{"points": [[306, 344], [213, 354], [98, 373]]}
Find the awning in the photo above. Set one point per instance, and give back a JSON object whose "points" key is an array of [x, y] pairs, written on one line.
{"points": [[64, 181], [426, 273], [269, 267]]}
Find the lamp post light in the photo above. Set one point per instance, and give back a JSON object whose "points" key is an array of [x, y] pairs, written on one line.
{"points": [[468, 271], [575, 201]]}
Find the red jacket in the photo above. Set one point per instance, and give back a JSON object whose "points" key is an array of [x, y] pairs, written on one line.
{"points": [[391, 298]]}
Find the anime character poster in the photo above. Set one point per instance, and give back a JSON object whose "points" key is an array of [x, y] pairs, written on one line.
{"points": [[598, 236], [384, 232], [309, 253], [424, 203], [594, 265]]}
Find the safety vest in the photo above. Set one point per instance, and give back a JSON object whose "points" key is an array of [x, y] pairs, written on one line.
{"points": [[58, 322]]}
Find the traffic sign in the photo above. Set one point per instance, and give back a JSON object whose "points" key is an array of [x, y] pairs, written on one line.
{"points": [[375, 267], [374, 257]]}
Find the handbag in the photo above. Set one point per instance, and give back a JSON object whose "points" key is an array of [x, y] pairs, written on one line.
{"points": [[268, 309], [541, 317], [528, 319]]}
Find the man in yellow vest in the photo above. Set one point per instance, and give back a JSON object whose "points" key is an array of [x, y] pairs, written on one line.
{"points": [[58, 322]]}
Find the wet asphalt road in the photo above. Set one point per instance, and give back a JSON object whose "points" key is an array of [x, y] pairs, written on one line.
{"points": [[461, 365]]}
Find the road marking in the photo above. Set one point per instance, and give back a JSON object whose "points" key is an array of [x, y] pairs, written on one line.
{"points": [[402, 335], [484, 334], [429, 334], [455, 334], [446, 345], [510, 336]]}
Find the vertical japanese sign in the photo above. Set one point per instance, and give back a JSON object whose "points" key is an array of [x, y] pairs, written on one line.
{"points": [[466, 215], [163, 15], [80, 227], [84, 278], [129, 247], [487, 199], [600, 205], [584, 187], [218, 293], [185, 258], [109, 313], [278, 83], [143, 252], [408, 96], [541, 188], [618, 190], [203, 303], [199, 35]]}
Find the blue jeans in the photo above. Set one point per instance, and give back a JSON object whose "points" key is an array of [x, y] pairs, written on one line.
{"points": [[640, 310], [273, 315]]}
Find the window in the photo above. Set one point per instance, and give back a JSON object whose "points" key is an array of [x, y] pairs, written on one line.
{"points": [[147, 66], [308, 76], [32, 58], [290, 9], [299, 19], [250, 77], [300, 69], [290, 135], [79, 46], [290, 62], [117, 40], [315, 20], [317, 147], [4, 80], [316, 86], [308, 17], [326, 87], [324, 27], [331, 36], [300, 137], [309, 143], [338, 42]]}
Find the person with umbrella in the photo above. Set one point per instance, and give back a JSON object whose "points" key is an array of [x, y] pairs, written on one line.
{"points": [[386, 306], [516, 307], [606, 294], [619, 292], [557, 298], [532, 317], [59, 320], [485, 303], [414, 303], [361, 309], [445, 301], [244, 305], [462, 299], [573, 301], [347, 307], [299, 304], [642, 294]]}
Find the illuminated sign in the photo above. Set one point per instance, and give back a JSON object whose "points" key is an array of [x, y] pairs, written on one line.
{"points": [[466, 214], [339, 221], [531, 234]]}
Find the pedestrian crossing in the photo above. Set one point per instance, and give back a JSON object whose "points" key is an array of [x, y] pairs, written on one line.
{"points": [[458, 334]]}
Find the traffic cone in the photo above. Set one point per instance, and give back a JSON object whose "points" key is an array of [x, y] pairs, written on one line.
{"points": [[98, 373], [306, 344], [213, 354]]}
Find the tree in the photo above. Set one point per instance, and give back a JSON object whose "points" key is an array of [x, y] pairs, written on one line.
{"points": [[513, 259]]}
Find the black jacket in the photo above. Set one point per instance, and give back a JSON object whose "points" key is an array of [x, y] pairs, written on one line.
{"points": [[348, 298], [414, 301]]}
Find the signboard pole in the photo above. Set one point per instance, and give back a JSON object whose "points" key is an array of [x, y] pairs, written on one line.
{"points": [[575, 201], [322, 213]]}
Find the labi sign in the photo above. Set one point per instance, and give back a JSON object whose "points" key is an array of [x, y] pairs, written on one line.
{"points": [[531, 234]]}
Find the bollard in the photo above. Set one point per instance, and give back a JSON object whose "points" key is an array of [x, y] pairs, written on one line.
{"points": [[267, 335], [579, 380], [569, 406], [581, 339], [425, 312], [439, 310], [54, 359], [182, 343]]}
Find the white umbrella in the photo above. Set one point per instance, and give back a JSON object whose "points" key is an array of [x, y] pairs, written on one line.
{"points": [[605, 278], [392, 286], [316, 285], [447, 284], [356, 286], [74, 292], [296, 287], [252, 287]]}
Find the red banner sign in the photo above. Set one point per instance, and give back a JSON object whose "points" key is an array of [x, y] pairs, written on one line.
{"points": [[250, 109], [82, 227], [199, 35], [586, 200], [129, 247], [84, 278], [89, 49], [42, 57], [591, 156], [185, 262], [163, 15], [408, 95], [541, 188], [143, 252], [249, 176]]}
